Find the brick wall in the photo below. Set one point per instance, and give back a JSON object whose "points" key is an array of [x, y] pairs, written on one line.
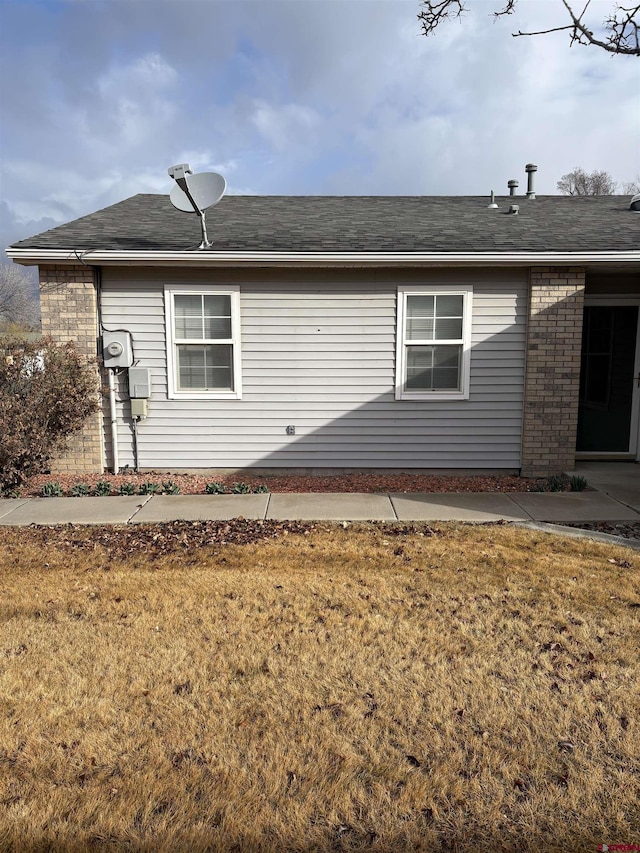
{"points": [[68, 304], [553, 370]]}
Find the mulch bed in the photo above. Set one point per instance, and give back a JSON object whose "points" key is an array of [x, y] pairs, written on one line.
{"points": [[628, 530], [369, 482]]}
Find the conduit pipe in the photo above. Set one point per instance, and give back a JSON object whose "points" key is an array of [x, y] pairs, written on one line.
{"points": [[114, 420]]}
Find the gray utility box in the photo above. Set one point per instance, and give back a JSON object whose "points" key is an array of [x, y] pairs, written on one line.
{"points": [[139, 383], [116, 349]]}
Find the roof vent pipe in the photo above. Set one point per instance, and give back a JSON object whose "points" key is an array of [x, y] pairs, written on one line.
{"points": [[492, 203], [530, 169], [513, 185]]}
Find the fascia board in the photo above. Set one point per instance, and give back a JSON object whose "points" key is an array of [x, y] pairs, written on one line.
{"points": [[316, 259]]}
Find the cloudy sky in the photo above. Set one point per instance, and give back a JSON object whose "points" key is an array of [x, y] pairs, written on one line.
{"points": [[99, 97]]}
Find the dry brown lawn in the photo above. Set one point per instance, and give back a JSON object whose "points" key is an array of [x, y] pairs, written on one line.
{"points": [[356, 689]]}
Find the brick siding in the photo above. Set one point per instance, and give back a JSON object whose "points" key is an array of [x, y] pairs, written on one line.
{"points": [[68, 304], [553, 370]]}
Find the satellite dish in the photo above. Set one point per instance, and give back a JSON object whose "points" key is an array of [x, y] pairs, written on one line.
{"points": [[206, 189], [196, 194]]}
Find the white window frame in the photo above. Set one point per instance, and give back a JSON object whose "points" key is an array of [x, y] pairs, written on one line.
{"points": [[171, 291], [462, 393]]}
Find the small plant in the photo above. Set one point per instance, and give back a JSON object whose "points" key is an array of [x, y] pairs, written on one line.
{"points": [[558, 483], [80, 490], [170, 488], [52, 490], [261, 490], [240, 489], [102, 489], [215, 489], [578, 483], [127, 489], [149, 488]]}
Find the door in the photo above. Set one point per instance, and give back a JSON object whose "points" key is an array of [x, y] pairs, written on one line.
{"points": [[607, 413]]}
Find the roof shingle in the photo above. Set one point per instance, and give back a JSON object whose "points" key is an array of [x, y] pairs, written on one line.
{"points": [[356, 224]]}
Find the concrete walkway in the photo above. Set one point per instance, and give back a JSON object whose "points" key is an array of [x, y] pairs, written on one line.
{"points": [[469, 506], [620, 480]]}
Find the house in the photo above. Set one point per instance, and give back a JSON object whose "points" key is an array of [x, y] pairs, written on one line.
{"points": [[353, 332]]}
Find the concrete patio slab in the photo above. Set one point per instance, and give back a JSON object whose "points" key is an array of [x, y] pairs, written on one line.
{"points": [[201, 508], [8, 505], [630, 497], [107, 510], [573, 506], [468, 506], [619, 480], [330, 507]]}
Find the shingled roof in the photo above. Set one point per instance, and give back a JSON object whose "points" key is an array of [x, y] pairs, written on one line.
{"points": [[356, 224]]}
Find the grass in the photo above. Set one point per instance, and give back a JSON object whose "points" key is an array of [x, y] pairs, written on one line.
{"points": [[359, 689]]}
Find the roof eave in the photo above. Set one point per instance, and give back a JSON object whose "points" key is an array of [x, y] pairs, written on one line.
{"points": [[207, 258]]}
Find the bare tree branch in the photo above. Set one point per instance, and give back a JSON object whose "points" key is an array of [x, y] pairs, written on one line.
{"points": [[509, 9], [18, 305], [621, 27], [580, 182], [542, 32], [623, 32], [434, 14]]}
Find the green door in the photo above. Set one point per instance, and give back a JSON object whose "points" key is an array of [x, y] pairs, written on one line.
{"points": [[606, 378]]}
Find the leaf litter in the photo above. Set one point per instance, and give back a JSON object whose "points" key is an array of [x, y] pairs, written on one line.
{"points": [[184, 537]]}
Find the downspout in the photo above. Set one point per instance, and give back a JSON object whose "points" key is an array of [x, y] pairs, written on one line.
{"points": [[114, 420], [111, 374], [97, 277]]}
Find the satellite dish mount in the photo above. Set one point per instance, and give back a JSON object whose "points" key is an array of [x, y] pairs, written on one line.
{"points": [[196, 193]]}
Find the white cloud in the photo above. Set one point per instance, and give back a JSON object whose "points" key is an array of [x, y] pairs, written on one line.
{"points": [[146, 73], [285, 127], [204, 161], [299, 96]]}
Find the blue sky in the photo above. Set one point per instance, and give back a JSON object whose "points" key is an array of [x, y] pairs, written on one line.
{"points": [[99, 97]]}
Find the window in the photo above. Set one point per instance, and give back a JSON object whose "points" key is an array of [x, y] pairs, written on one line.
{"points": [[203, 342], [434, 338]]}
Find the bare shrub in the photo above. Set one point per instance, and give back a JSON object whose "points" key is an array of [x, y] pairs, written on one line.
{"points": [[47, 390]]}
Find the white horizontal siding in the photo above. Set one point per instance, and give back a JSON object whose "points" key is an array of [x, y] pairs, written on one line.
{"points": [[318, 352]]}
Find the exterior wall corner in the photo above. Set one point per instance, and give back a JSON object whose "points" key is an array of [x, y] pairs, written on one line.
{"points": [[552, 380], [69, 309]]}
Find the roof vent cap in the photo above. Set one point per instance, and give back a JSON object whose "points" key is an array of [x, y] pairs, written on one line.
{"points": [[530, 169], [513, 186], [635, 203], [514, 209]]}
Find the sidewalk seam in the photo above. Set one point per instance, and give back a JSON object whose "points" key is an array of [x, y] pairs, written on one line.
{"points": [[516, 504], [133, 515], [21, 502], [618, 500], [392, 505]]}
